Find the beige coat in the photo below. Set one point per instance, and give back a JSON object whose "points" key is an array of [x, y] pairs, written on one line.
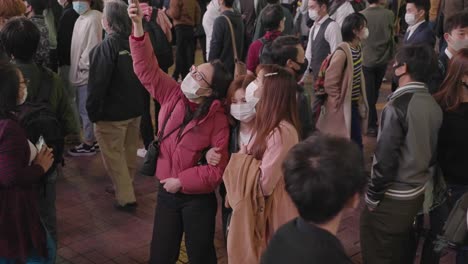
{"points": [[335, 117]]}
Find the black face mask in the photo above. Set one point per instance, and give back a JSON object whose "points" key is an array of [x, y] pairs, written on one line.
{"points": [[302, 69]]}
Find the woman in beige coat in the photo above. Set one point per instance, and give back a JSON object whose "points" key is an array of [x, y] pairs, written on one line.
{"points": [[345, 110]]}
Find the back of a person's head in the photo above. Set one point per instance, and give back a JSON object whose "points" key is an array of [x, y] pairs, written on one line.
{"points": [[115, 13], [457, 21], [9, 89], [282, 49], [20, 38], [11, 8], [322, 174], [420, 61], [38, 6], [272, 17], [352, 23]]}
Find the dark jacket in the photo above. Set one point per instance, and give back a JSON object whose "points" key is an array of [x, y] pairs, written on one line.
{"points": [[65, 33], [305, 113], [59, 99], [421, 36], [453, 146], [440, 73], [407, 145], [300, 242], [221, 41], [20, 228], [113, 88]]}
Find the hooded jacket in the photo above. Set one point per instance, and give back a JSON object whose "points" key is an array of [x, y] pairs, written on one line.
{"points": [[180, 152]]}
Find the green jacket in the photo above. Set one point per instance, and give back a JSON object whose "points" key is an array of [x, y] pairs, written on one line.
{"points": [[59, 99]]}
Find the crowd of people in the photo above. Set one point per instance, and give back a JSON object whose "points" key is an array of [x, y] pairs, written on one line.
{"points": [[286, 157]]}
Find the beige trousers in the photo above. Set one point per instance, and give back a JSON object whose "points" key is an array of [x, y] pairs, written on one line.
{"points": [[118, 141]]}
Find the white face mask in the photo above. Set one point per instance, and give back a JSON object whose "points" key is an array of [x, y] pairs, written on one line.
{"points": [[458, 44], [410, 19], [313, 14], [365, 33], [81, 7], [249, 94], [243, 112], [23, 99], [190, 87]]}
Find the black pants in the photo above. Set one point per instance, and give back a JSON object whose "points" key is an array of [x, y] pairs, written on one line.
{"points": [[147, 130], [185, 50], [374, 76], [386, 233], [176, 214]]}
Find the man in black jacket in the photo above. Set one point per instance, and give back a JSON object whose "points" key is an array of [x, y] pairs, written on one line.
{"points": [[322, 192], [221, 42], [114, 103], [287, 51]]}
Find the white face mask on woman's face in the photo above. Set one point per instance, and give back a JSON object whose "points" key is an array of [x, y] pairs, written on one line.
{"points": [[244, 112], [190, 87], [249, 93]]}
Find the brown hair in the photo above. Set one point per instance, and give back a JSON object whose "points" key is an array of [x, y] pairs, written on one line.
{"points": [[12, 8], [277, 103], [450, 95]]}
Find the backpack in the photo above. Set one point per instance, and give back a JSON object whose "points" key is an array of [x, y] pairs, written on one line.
{"points": [[455, 228], [161, 45], [38, 119], [319, 86]]}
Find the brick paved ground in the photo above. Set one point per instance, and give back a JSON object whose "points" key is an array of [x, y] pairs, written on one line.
{"points": [[92, 231]]}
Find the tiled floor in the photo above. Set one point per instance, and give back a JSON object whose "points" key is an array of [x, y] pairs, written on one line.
{"points": [[92, 231]]}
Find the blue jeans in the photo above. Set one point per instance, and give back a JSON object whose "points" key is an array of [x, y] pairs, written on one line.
{"points": [[88, 129], [34, 258]]}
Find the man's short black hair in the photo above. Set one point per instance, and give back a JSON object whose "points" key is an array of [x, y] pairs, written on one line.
{"points": [[228, 3], [38, 6], [9, 89], [321, 174], [282, 49], [272, 17], [323, 2], [458, 20], [420, 61], [20, 38], [355, 21], [420, 4]]}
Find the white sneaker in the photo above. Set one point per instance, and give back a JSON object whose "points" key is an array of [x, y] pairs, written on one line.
{"points": [[141, 152]]}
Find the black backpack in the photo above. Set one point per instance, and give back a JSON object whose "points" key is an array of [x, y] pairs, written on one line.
{"points": [[37, 118], [161, 45]]}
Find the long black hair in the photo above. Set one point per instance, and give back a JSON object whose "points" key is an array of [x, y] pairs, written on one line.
{"points": [[9, 89], [222, 78]]}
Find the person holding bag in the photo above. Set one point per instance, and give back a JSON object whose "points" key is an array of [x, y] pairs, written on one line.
{"points": [[196, 117]]}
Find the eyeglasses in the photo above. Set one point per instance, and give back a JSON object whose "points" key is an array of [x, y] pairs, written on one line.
{"points": [[198, 76]]}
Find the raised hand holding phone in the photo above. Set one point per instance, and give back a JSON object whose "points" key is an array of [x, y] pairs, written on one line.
{"points": [[135, 14]]}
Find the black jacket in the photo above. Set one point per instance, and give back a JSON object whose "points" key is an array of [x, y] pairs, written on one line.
{"points": [[421, 36], [113, 88], [221, 41], [304, 109], [65, 33]]}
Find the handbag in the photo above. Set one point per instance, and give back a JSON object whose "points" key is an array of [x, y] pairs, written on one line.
{"points": [[151, 158], [239, 67]]}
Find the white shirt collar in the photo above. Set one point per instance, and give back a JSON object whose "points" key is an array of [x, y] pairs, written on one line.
{"points": [[415, 26], [320, 22]]}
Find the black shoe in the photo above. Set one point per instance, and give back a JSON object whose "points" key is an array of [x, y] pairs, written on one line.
{"points": [[130, 207], [372, 132], [82, 150]]}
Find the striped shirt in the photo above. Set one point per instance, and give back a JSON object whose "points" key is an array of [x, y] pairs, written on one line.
{"points": [[357, 70]]}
